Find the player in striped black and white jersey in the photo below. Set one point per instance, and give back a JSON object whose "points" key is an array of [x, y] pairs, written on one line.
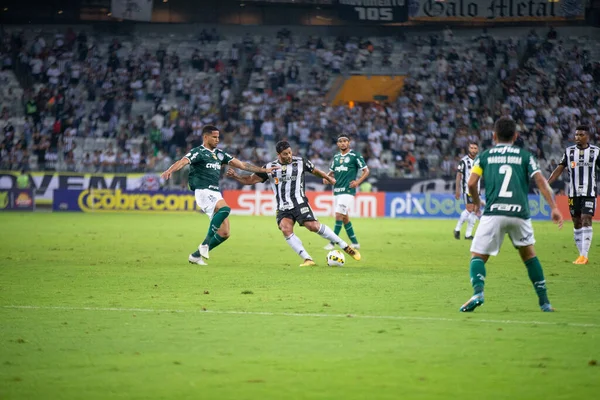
{"points": [[462, 178], [287, 182], [582, 162]]}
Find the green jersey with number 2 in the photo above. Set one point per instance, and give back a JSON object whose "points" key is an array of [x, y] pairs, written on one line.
{"points": [[205, 167], [506, 170]]}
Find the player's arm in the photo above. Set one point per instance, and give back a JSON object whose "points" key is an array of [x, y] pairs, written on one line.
{"points": [[546, 191], [246, 166], [556, 173], [246, 179], [559, 169], [459, 177], [175, 167], [331, 174], [322, 174], [473, 185], [365, 173]]}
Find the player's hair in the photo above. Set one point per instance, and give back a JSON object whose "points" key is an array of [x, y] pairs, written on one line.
{"points": [[341, 135], [208, 129], [281, 146], [583, 128], [505, 128], [475, 143]]}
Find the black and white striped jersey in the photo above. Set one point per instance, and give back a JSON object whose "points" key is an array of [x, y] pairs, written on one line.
{"points": [[582, 165], [287, 182], [464, 167]]}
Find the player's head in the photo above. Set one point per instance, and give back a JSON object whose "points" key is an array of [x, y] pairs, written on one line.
{"points": [[473, 149], [582, 135], [505, 130], [210, 136], [284, 152], [343, 142]]}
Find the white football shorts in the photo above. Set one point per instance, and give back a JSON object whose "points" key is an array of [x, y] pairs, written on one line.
{"points": [[492, 229], [207, 200], [344, 204]]}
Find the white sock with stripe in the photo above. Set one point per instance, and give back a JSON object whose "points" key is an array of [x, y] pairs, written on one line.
{"points": [[327, 233], [586, 241], [295, 243], [578, 236]]}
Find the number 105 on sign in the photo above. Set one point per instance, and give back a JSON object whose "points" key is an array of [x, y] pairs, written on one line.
{"points": [[375, 13]]}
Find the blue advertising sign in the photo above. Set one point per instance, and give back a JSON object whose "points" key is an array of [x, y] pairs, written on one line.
{"points": [[430, 205]]}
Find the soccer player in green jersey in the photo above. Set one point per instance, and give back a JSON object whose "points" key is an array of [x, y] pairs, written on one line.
{"points": [[506, 170], [344, 168], [205, 170]]}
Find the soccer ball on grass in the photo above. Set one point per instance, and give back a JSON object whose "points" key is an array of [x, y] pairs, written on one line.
{"points": [[335, 258]]}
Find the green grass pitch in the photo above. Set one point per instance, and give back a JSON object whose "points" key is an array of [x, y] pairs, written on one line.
{"points": [[105, 306]]}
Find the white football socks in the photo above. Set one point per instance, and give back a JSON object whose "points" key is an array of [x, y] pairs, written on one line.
{"points": [[327, 233], [578, 236], [463, 217], [296, 244], [586, 242], [472, 220]]}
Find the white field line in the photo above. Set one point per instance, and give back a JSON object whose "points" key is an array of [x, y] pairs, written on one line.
{"points": [[314, 315]]}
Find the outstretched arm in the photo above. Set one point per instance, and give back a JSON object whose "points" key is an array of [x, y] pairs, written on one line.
{"points": [[321, 174], [246, 166], [174, 168], [546, 191], [555, 174], [326, 181], [244, 180]]}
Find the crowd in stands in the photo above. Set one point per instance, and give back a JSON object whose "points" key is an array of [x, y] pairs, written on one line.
{"points": [[110, 104]]}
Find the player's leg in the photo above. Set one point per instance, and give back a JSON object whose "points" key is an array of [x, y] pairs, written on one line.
{"points": [[349, 200], [222, 234], [464, 216], [212, 204], [536, 276], [285, 222], [587, 213], [340, 210], [309, 222], [339, 222], [487, 242], [471, 220], [521, 233], [575, 211]]}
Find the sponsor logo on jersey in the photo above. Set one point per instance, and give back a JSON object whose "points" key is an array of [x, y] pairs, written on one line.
{"points": [[216, 166], [506, 207], [340, 168]]}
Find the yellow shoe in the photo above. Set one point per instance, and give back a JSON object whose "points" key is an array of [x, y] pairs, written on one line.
{"points": [[308, 263], [584, 260], [581, 260], [352, 252]]}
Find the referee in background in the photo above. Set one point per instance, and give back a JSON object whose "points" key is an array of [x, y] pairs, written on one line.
{"points": [[581, 161]]}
